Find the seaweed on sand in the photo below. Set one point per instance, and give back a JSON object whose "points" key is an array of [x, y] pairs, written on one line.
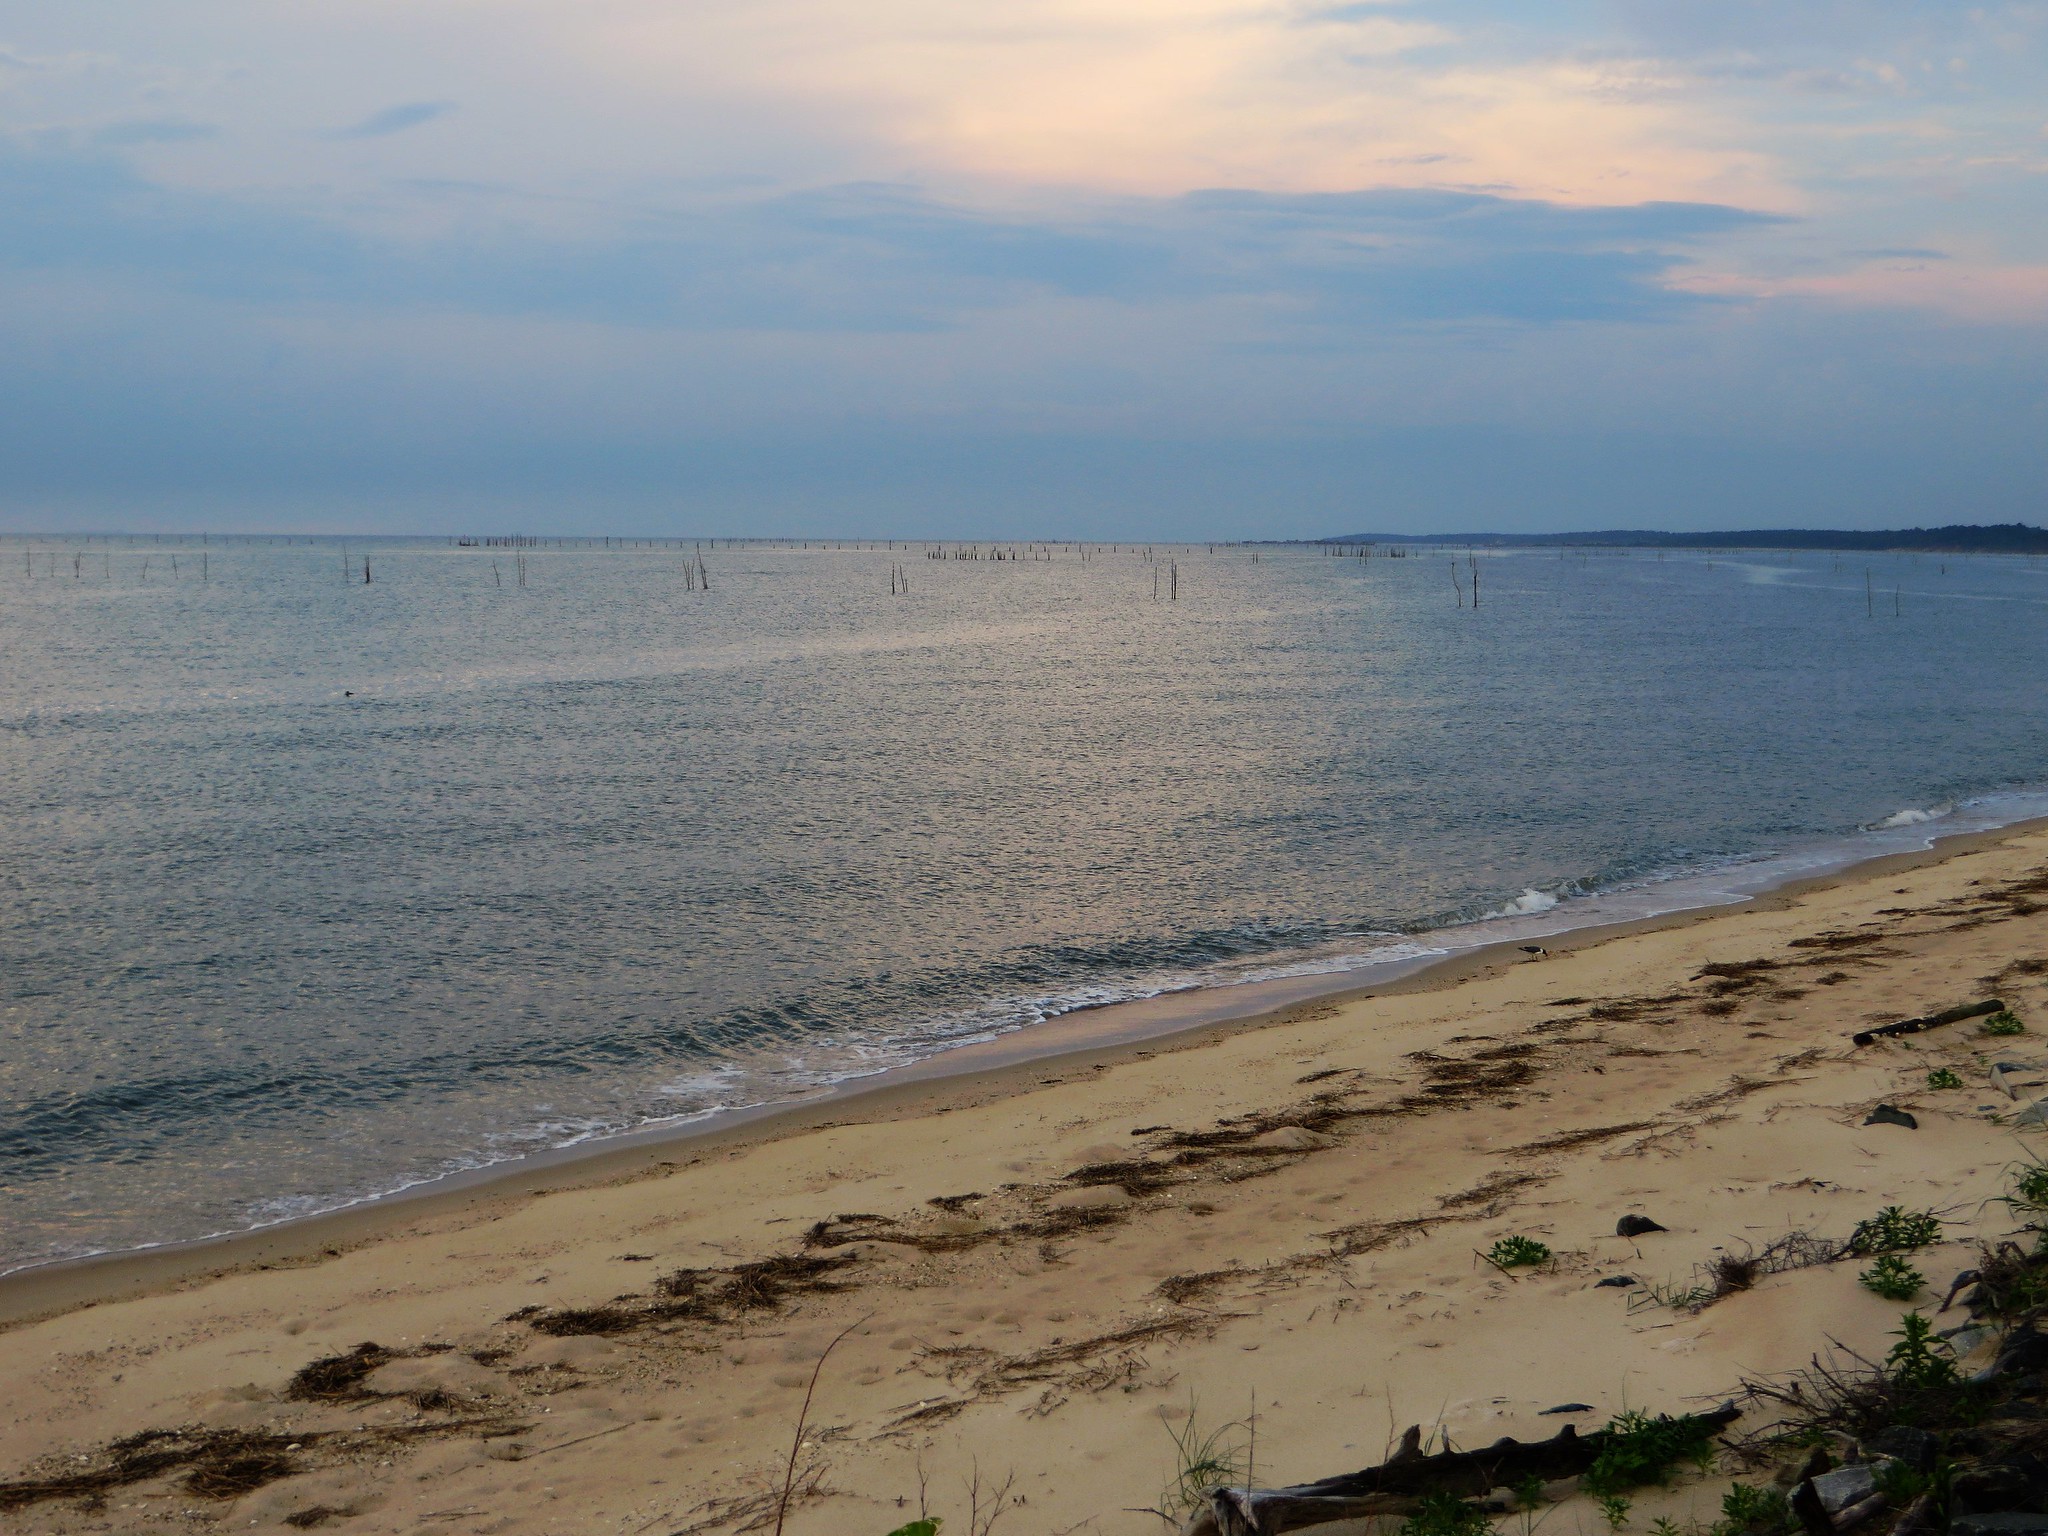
{"points": [[703, 1295], [338, 1378]]}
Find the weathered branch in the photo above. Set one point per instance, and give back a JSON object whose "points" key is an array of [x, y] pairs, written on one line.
{"points": [[1397, 1484]]}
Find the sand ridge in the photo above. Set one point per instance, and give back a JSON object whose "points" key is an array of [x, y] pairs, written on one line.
{"points": [[1282, 1224]]}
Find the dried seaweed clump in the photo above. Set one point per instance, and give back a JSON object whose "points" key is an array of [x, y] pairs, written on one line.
{"points": [[706, 1295]]}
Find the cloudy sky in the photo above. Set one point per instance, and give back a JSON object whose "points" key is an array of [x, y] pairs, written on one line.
{"points": [[1140, 267]]}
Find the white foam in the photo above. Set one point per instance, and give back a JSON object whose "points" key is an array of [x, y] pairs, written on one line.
{"points": [[1531, 900], [1912, 817]]}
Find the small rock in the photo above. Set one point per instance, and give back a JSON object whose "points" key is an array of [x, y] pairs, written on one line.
{"points": [[1614, 1280], [1571, 1408], [2035, 1113], [1636, 1226], [1845, 1486], [1903, 1442], [1292, 1138], [1886, 1114]]}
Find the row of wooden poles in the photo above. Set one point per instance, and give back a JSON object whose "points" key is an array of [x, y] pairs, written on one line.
{"points": [[697, 575]]}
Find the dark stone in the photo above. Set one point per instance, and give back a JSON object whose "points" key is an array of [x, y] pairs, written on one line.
{"points": [[1806, 1506], [1636, 1226], [1844, 1486], [1572, 1408], [2002, 1522], [1614, 1280], [1902, 1442], [2024, 1352], [1993, 1486], [1885, 1114]]}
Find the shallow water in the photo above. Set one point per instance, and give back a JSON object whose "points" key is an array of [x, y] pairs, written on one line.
{"points": [[313, 889]]}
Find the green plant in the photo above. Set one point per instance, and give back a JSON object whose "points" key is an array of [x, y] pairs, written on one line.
{"points": [[1650, 1293], [1892, 1278], [1895, 1230], [1914, 1362], [1201, 1462], [1944, 1077], [2004, 1022], [1747, 1508], [1445, 1514], [1614, 1510], [1899, 1483], [2029, 1190], [1518, 1252], [917, 1528], [1636, 1449], [1664, 1525]]}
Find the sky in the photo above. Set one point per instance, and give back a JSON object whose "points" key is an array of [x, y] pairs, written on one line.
{"points": [[1036, 268]]}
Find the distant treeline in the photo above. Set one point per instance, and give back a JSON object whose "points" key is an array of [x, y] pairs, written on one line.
{"points": [[1958, 538]]}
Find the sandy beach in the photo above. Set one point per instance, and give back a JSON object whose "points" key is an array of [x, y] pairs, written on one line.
{"points": [[1042, 1275]]}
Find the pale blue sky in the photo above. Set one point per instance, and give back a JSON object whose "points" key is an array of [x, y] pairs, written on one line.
{"points": [[1212, 268]]}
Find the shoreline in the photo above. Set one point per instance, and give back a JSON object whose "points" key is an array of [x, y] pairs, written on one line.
{"points": [[1042, 1278], [1005, 1065]]}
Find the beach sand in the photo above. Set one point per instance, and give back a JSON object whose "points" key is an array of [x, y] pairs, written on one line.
{"points": [[1044, 1274]]}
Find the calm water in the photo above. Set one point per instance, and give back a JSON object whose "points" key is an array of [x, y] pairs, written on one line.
{"points": [[602, 849]]}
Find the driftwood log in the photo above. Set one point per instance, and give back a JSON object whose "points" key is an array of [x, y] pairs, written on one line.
{"points": [[1396, 1485], [1930, 1021]]}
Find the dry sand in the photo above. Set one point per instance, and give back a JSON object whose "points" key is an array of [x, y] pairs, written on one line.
{"points": [[1283, 1220]]}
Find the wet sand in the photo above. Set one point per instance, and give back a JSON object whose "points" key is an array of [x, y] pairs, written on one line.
{"points": [[1048, 1263]]}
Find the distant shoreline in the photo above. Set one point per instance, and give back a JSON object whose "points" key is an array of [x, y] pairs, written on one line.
{"points": [[1954, 539]]}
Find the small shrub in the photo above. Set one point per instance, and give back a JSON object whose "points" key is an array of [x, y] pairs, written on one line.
{"points": [[2004, 1022], [1637, 1449], [1944, 1077], [1899, 1483], [2030, 1190], [917, 1528], [1201, 1462], [1892, 1278], [2010, 1280], [1744, 1508], [1614, 1510], [1893, 1230], [1445, 1514], [1519, 1252], [1914, 1362]]}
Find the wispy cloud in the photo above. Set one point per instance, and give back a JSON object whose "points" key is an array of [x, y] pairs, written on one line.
{"points": [[398, 119], [881, 257]]}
